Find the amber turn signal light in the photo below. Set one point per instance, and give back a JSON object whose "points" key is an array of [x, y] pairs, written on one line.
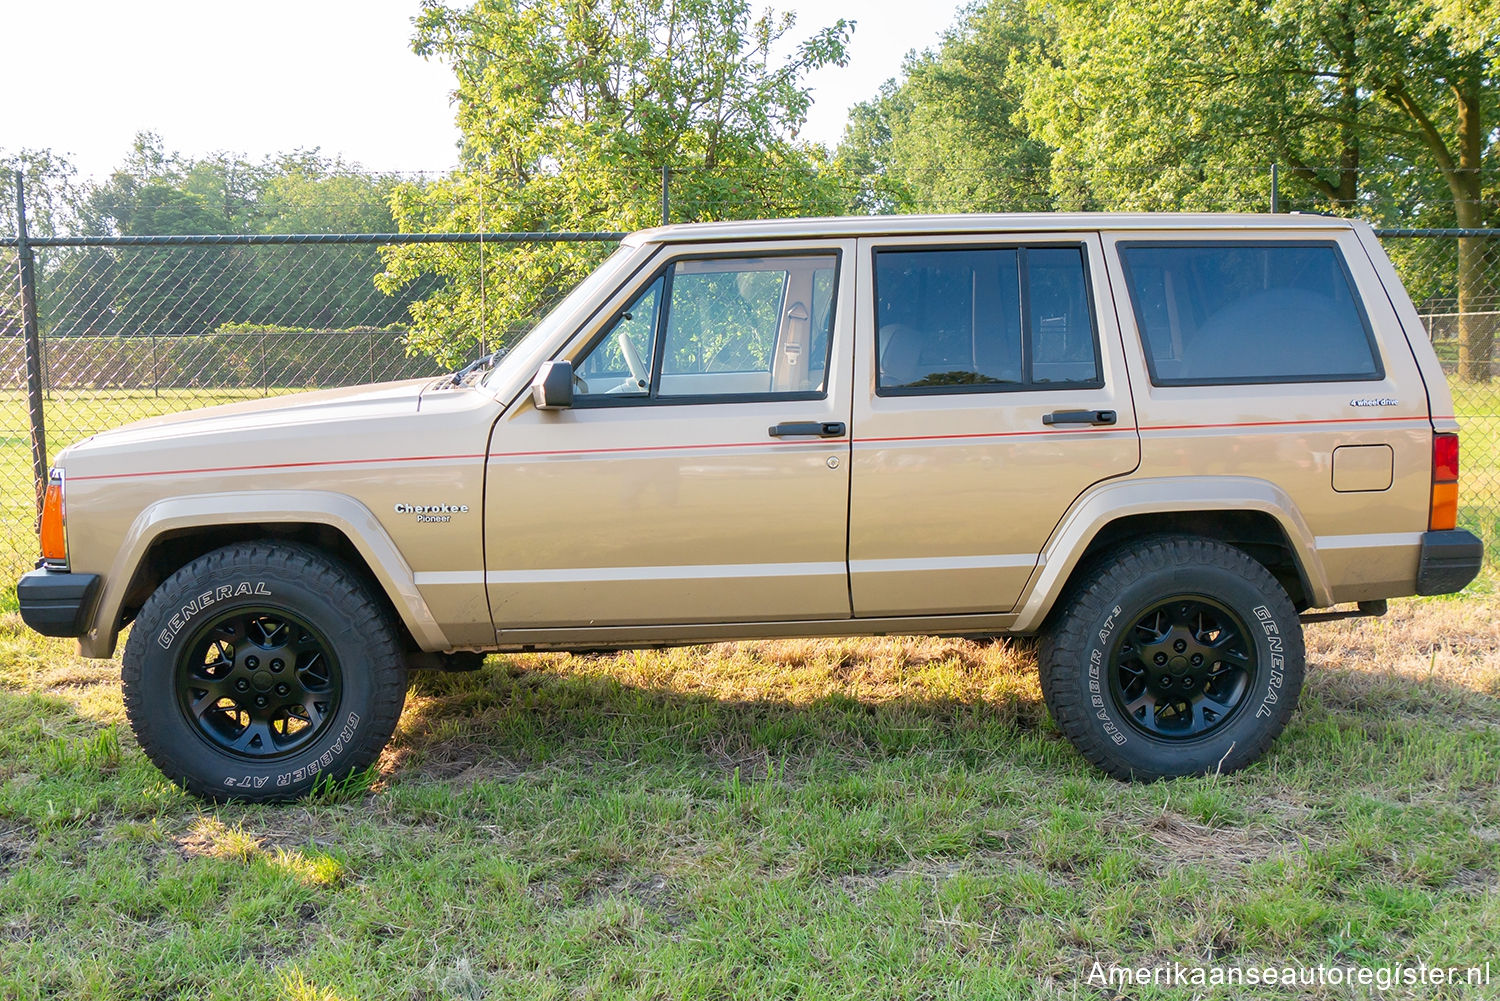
{"points": [[54, 539], [1444, 513]]}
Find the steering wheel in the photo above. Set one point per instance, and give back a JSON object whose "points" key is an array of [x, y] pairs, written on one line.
{"points": [[632, 358]]}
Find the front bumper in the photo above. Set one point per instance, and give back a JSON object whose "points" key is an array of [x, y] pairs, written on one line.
{"points": [[55, 602], [1449, 561]]}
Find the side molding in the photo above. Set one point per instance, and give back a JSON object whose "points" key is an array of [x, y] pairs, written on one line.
{"points": [[1118, 499], [317, 507]]}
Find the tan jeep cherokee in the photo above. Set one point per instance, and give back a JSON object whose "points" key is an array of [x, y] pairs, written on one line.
{"points": [[1154, 440]]}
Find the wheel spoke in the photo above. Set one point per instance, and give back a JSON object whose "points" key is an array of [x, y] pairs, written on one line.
{"points": [[213, 692], [256, 738]]}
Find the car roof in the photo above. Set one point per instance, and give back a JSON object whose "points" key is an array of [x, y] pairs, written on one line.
{"points": [[1009, 222]]}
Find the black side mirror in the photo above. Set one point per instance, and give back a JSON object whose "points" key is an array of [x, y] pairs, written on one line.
{"points": [[552, 389]]}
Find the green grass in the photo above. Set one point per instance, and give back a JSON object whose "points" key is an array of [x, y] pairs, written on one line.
{"points": [[832, 819]]}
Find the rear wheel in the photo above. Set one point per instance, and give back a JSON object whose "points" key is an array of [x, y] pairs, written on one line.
{"points": [[1177, 656], [257, 669]]}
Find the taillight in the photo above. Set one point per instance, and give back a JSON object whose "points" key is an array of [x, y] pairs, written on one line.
{"points": [[1444, 513], [54, 538]]}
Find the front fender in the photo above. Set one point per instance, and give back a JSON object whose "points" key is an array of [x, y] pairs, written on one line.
{"points": [[1113, 500], [316, 507]]}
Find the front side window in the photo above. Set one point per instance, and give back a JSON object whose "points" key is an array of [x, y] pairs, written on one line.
{"points": [[1216, 313], [984, 318], [721, 327]]}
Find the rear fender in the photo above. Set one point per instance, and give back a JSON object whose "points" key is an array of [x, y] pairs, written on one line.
{"points": [[1117, 499]]}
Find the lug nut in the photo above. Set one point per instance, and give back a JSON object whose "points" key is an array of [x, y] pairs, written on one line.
{"points": [[277, 664], [1179, 646], [260, 701], [1197, 660], [282, 689], [252, 662], [1160, 659], [242, 685]]}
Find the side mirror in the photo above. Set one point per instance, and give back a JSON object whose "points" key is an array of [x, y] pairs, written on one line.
{"points": [[552, 389]]}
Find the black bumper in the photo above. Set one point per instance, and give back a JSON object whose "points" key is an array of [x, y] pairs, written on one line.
{"points": [[56, 603], [1449, 561]]}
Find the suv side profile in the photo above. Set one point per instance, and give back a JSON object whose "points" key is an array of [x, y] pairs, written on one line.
{"points": [[1153, 440]]}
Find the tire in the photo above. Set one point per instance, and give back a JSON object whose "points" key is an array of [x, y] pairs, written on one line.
{"points": [[260, 669], [1172, 656]]}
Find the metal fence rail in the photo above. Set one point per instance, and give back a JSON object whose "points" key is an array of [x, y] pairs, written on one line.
{"points": [[96, 332]]}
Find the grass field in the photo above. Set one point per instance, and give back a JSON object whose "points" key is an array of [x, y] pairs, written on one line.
{"points": [[878, 819]]}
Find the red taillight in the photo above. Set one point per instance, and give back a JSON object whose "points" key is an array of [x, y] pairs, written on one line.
{"points": [[54, 539], [1445, 458], [1443, 515]]}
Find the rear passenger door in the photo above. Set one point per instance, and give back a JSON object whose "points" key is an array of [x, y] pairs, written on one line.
{"points": [[990, 391]]}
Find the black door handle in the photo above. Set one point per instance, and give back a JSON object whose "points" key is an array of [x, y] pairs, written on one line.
{"points": [[1080, 417], [815, 429]]}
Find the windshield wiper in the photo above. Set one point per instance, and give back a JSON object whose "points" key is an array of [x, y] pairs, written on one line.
{"points": [[479, 364]]}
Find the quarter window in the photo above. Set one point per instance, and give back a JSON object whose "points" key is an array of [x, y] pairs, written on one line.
{"points": [[1217, 313], [984, 319], [742, 327]]}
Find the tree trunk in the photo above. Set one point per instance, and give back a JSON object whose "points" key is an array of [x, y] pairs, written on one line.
{"points": [[1476, 334]]}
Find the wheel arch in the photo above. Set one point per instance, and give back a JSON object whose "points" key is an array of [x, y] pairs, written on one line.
{"points": [[172, 533], [1252, 514]]}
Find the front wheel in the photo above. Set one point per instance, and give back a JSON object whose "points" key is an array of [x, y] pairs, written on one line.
{"points": [[1179, 656], [257, 669]]}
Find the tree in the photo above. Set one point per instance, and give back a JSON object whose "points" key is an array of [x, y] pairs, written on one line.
{"points": [[946, 137], [567, 111], [1163, 103]]}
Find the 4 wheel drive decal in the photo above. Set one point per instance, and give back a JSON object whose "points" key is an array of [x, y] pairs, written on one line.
{"points": [[221, 593]]}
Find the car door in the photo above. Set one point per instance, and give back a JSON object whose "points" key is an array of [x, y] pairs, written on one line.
{"points": [[991, 393], [701, 474]]}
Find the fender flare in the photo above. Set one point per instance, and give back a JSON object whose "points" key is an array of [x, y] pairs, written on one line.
{"points": [[269, 507], [1114, 500]]}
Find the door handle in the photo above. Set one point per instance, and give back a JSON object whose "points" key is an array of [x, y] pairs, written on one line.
{"points": [[814, 429], [1080, 417]]}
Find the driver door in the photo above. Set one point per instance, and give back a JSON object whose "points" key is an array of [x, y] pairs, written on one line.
{"points": [[702, 474]]}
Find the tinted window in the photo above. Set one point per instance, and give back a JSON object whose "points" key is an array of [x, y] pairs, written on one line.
{"points": [[724, 327], [955, 319], [1225, 312]]}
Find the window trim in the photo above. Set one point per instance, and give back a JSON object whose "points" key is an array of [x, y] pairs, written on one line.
{"points": [[665, 271], [1027, 385], [1249, 380]]}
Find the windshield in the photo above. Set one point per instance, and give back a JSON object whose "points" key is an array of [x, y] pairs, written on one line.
{"points": [[531, 350]]}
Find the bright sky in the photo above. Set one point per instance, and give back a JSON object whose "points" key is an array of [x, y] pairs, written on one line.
{"points": [[271, 76]]}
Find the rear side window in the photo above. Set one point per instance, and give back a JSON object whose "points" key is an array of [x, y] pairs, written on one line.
{"points": [[1218, 313], [983, 319]]}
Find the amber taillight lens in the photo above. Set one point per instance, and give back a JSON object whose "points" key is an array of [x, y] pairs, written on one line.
{"points": [[54, 539], [1444, 513]]}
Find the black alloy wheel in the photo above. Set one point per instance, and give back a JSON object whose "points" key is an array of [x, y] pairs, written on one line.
{"points": [[1183, 669], [259, 683]]}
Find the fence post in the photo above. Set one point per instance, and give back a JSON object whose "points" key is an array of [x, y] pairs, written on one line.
{"points": [[666, 195], [1275, 190], [33, 346]]}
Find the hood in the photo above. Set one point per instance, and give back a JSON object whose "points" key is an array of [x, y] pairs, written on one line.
{"points": [[355, 403]]}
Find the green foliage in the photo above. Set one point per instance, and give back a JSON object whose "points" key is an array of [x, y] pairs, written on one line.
{"points": [[1180, 104], [948, 137], [569, 110]]}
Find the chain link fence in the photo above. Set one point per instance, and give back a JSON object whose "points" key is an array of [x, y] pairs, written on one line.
{"points": [[129, 328]]}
